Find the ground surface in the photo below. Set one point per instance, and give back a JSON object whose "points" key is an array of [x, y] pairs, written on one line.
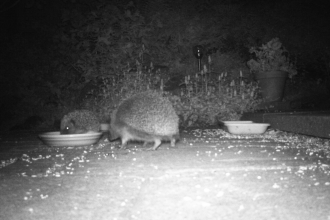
{"points": [[209, 175]]}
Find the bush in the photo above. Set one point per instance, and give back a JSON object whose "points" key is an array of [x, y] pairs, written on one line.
{"points": [[203, 100]]}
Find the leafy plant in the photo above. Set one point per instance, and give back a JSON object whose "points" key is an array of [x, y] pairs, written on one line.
{"points": [[271, 56], [205, 101]]}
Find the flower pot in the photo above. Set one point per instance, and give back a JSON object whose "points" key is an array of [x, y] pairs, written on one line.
{"points": [[272, 84]]}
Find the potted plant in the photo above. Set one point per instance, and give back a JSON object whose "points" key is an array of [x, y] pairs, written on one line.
{"points": [[271, 68]]}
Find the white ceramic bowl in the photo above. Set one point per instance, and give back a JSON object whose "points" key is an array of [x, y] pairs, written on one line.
{"points": [[247, 128], [57, 140]]}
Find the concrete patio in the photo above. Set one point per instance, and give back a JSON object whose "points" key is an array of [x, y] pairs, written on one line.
{"points": [[210, 174]]}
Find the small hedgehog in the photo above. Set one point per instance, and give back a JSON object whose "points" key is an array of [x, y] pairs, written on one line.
{"points": [[79, 122], [147, 117]]}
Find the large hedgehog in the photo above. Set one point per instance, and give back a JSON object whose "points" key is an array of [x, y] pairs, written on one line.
{"points": [[79, 122], [147, 117]]}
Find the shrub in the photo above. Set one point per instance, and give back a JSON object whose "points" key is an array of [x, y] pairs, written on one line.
{"points": [[203, 100]]}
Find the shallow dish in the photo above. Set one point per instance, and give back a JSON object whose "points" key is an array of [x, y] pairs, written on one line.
{"points": [[247, 128], [58, 140]]}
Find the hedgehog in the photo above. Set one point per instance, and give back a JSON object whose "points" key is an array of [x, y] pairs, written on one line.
{"points": [[79, 122], [147, 117]]}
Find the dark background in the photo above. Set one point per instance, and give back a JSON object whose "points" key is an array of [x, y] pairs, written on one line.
{"points": [[37, 68]]}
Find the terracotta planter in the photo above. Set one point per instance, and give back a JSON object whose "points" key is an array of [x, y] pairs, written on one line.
{"points": [[272, 84]]}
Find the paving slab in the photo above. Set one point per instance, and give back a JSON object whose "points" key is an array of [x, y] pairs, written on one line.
{"points": [[210, 174], [314, 123]]}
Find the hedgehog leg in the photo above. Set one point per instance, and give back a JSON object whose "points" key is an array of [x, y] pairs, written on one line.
{"points": [[173, 142], [145, 144], [123, 143], [158, 142]]}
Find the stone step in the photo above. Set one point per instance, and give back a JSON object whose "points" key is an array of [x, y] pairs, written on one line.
{"points": [[314, 123]]}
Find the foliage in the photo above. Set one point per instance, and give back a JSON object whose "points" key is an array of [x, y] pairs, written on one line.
{"points": [[271, 56], [114, 43], [105, 41], [205, 100]]}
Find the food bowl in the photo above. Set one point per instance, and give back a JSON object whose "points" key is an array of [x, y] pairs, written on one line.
{"points": [[247, 128], [57, 140]]}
